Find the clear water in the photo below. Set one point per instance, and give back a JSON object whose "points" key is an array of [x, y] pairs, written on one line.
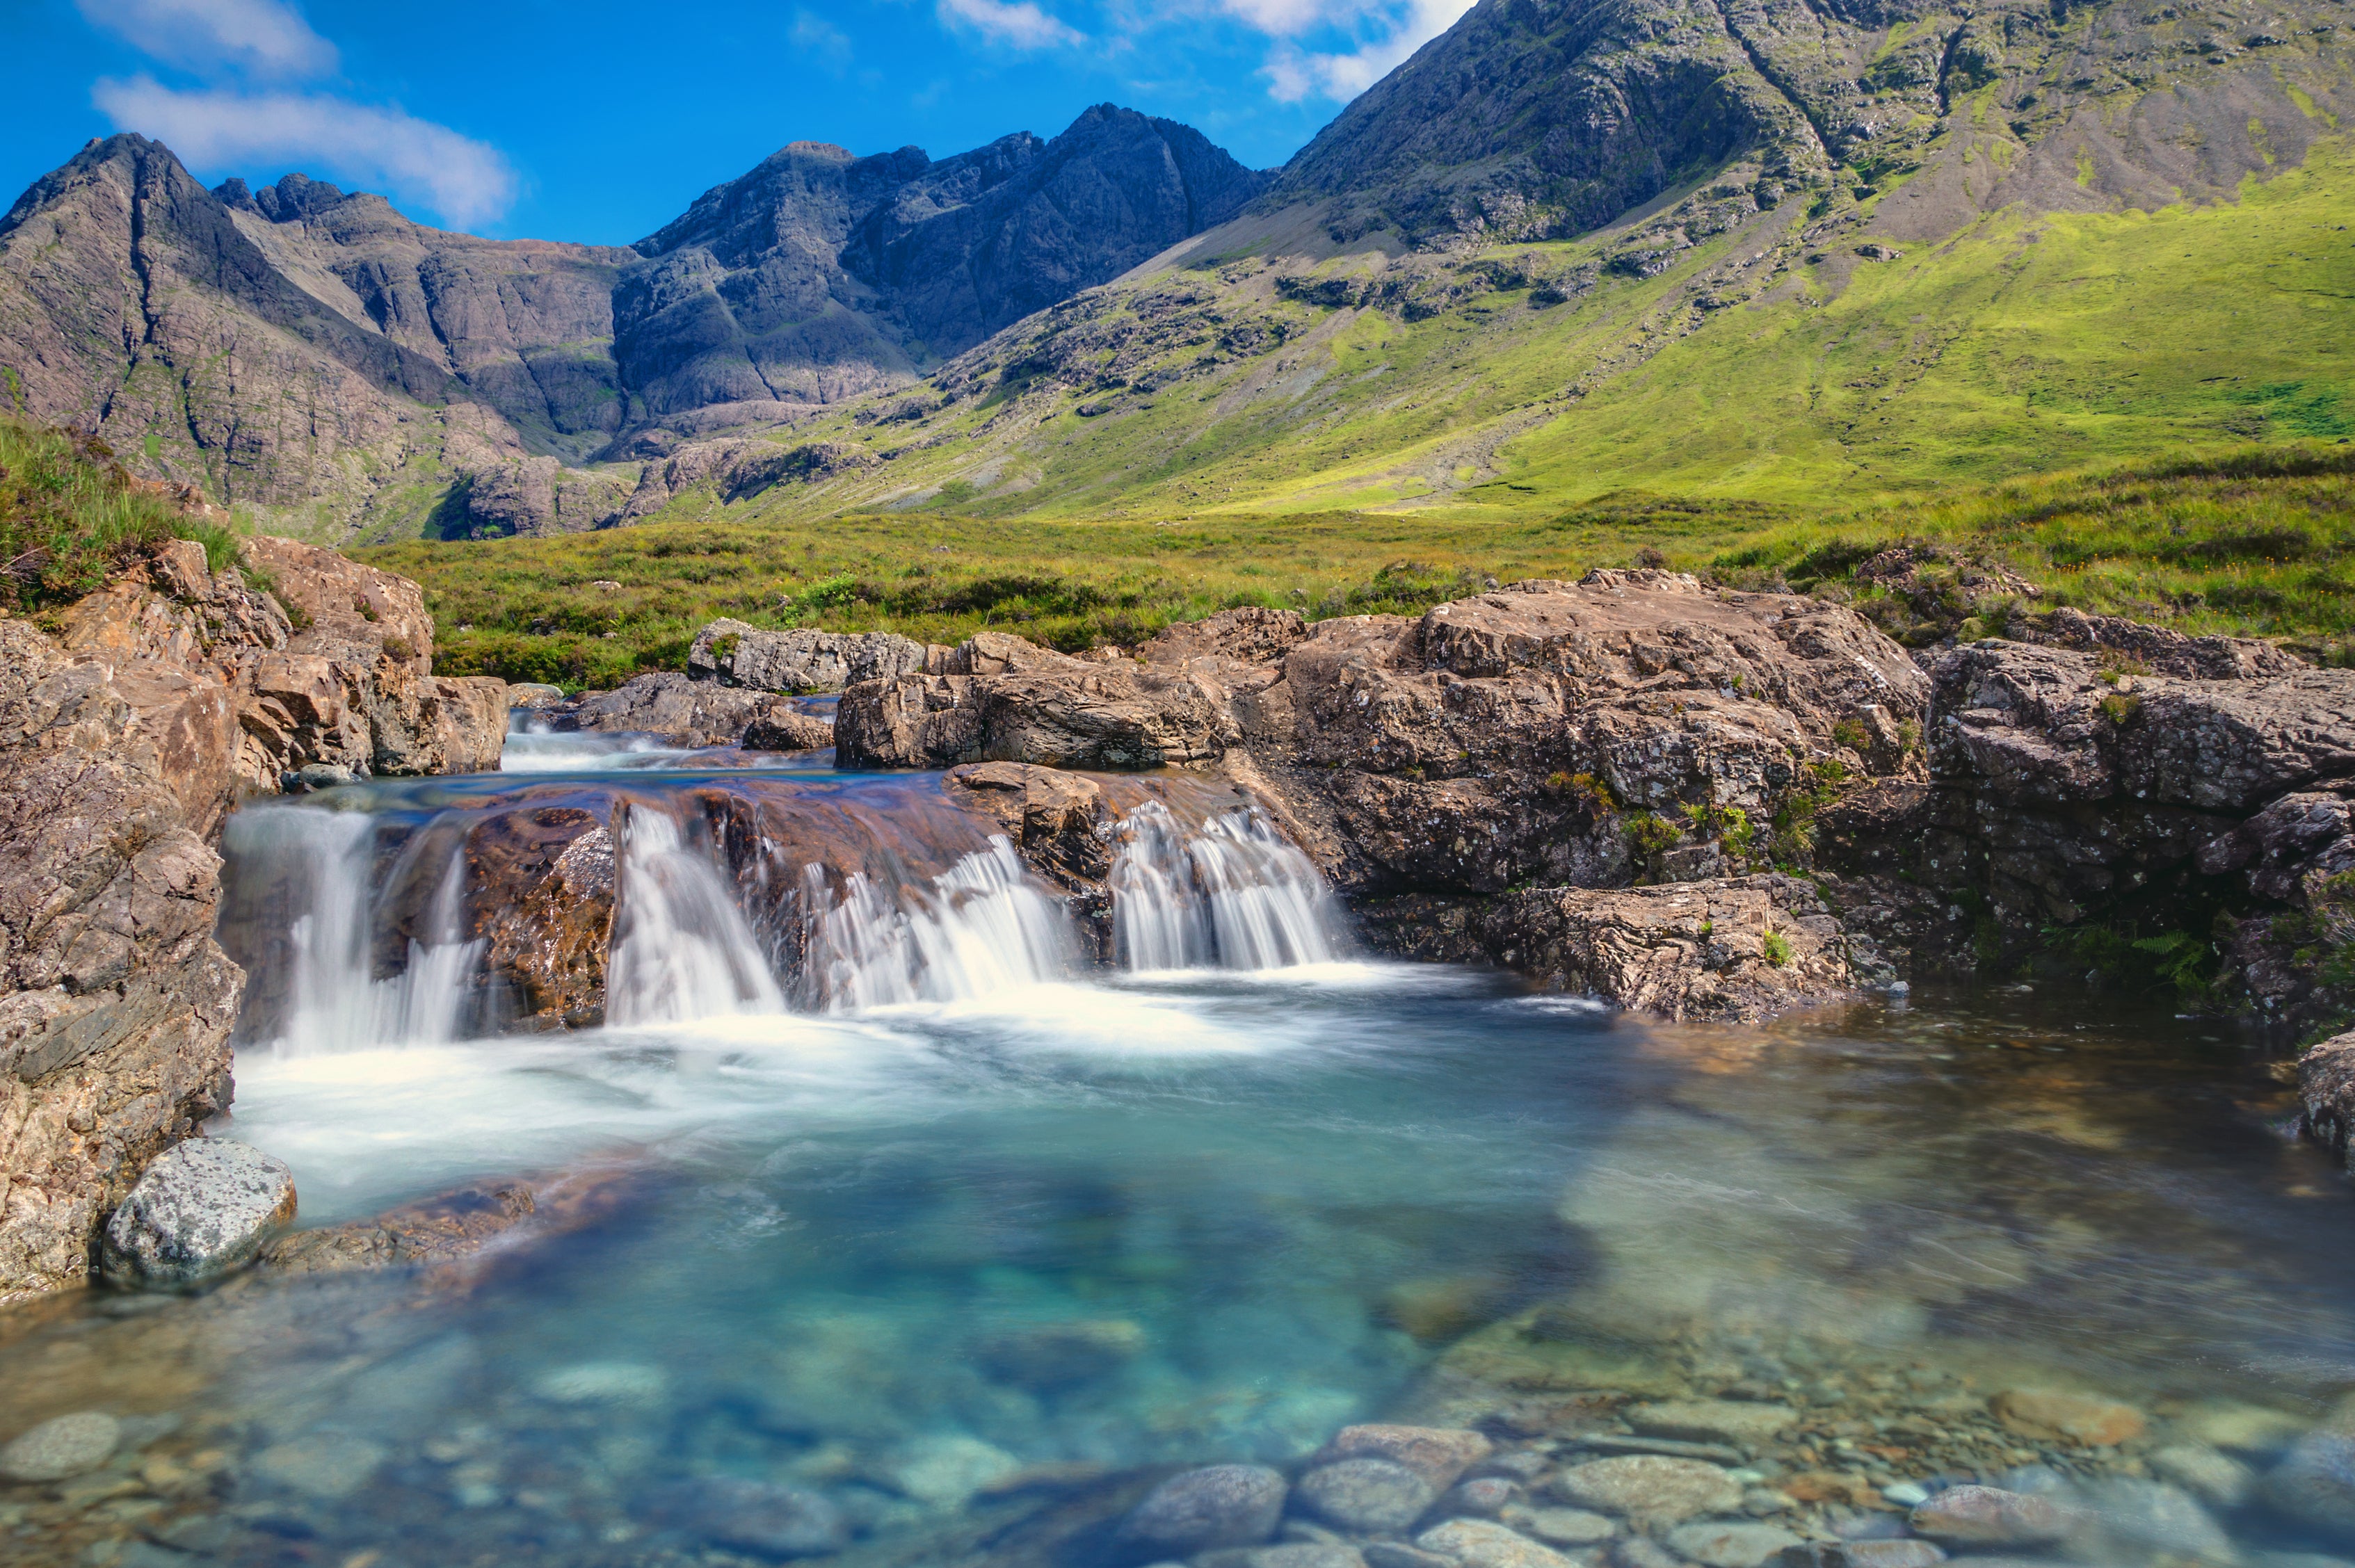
{"points": [[1063, 1223]]}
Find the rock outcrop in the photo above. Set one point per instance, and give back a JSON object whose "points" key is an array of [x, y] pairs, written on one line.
{"points": [[2206, 817], [125, 738], [687, 712], [1738, 948], [736, 654], [1490, 764]]}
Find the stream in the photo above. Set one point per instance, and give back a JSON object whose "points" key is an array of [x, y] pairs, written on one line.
{"points": [[873, 1187]]}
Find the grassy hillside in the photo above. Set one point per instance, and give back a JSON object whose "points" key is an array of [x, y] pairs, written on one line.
{"points": [[2261, 542], [1773, 363], [69, 514]]}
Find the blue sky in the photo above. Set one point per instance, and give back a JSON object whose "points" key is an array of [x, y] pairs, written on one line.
{"points": [[597, 119]]}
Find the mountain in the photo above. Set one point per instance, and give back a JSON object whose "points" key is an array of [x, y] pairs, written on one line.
{"points": [[1777, 249], [317, 353], [1762, 249]]}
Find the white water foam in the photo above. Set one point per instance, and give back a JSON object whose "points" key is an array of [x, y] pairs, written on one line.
{"points": [[980, 928], [1234, 894], [335, 1003], [682, 948]]}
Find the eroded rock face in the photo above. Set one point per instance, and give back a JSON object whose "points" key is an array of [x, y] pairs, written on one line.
{"points": [[2073, 787], [736, 654], [124, 741], [685, 712], [1727, 949], [548, 878]]}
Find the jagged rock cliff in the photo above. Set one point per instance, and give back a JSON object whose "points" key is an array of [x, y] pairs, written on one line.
{"points": [[130, 724], [301, 348]]}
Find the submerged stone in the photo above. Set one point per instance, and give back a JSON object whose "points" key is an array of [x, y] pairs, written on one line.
{"points": [[2208, 1475], [1371, 1495], [2078, 1418], [1722, 1545], [1438, 1454], [62, 1446], [1987, 1516], [1737, 1421], [1221, 1505], [1647, 1485], [326, 1466], [203, 1208], [1482, 1543], [760, 1517]]}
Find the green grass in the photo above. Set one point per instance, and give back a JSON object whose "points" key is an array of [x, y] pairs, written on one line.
{"points": [[70, 515], [2026, 343], [2258, 543]]}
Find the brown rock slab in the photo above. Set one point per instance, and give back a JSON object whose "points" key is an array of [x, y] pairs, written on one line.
{"points": [[1990, 1516], [2054, 1416]]}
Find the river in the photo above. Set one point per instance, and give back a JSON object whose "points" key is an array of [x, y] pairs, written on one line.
{"points": [[962, 1237]]}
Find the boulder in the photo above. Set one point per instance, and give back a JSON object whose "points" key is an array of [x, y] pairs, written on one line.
{"points": [[549, 876], [201, 1209], [2050, 1415], [800, 659], [1004, 700], [2315, 1482]]}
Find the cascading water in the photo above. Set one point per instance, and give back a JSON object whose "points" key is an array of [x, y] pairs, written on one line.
{"points": [[1234, 894], [980, 928], [682, 947], [323, 860]]}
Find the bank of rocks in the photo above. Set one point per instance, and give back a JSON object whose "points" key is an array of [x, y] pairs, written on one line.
{"points": [[1495, 762], [131, 723]]}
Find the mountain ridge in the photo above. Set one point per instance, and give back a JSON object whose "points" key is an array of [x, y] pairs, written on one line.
{"points": [[1758, 246]]}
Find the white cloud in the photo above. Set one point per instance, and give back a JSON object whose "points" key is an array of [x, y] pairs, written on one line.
{"points": [[816, 36], [461, 181], [1018, 23], [1294, 73], [267, 37]]}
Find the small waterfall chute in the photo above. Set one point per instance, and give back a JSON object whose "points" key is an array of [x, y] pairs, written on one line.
{"points": [[682, 947], [324, 862], [1233, 892], [979, 927]]}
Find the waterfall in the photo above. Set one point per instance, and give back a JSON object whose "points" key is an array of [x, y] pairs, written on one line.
{"points": [[323, 862], [1233, 892], [980, 928], [682, 947]]}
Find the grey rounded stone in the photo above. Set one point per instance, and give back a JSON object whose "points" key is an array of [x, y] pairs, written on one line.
{"points": [[203, 1208], [1373, 1497], [62, 1446], [1222, 1505]]}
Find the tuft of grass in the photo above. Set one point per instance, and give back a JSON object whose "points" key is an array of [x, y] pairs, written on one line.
{"points": [[70, 516]]}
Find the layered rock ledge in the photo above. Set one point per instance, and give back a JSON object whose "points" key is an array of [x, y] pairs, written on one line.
{"points": [[131, 723]]}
